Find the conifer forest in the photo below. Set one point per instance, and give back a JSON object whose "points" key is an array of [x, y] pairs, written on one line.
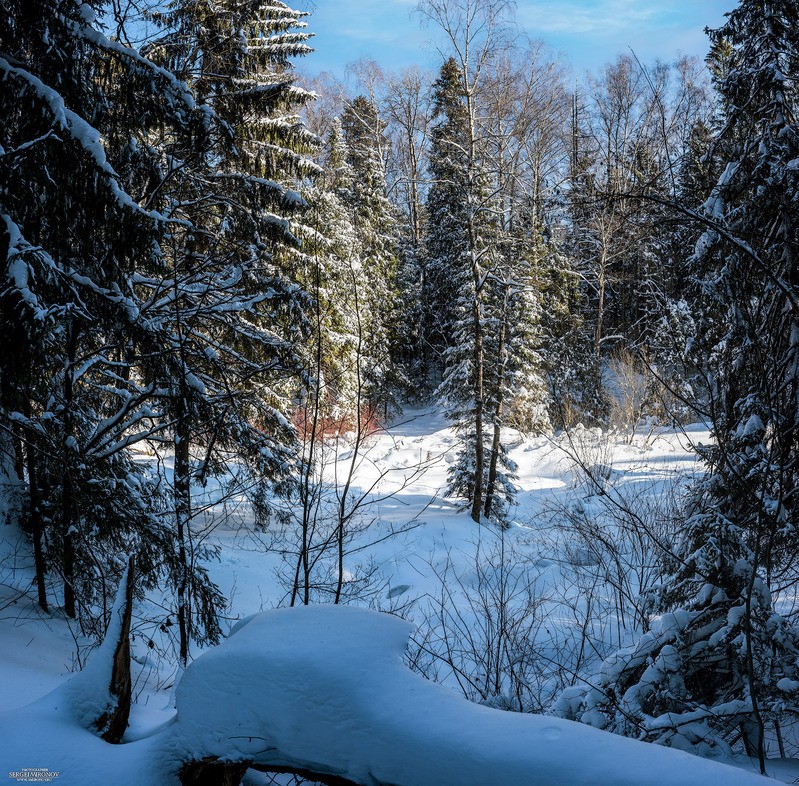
{"points": [[493, 366]]}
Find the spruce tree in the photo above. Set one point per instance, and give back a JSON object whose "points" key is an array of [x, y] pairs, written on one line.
{"points": [[75, 161], [446, 241], [331, 275], [460, 251], [723, 663], [747, 265], [481, 271], [229, 315], [374, 221]]}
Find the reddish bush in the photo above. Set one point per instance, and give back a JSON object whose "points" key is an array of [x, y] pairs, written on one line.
{"points": [[335, 424]]}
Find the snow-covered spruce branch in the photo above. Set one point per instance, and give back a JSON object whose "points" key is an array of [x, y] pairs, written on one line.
{"points": [[717, 226]]}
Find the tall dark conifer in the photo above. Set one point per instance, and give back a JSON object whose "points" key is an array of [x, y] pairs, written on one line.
{"points": [[723, 664], [228, 310], [459, 252], [75, 162], [446, 242], [374, 221]]}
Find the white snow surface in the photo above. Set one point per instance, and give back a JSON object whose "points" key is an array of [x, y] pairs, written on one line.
{"points": [[324, 685], [325, 688]]}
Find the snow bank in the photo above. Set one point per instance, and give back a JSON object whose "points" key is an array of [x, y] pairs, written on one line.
{"points": [[324, 688]]}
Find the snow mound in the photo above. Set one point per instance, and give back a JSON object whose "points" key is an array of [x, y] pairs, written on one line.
{"points": [[325, 689]]}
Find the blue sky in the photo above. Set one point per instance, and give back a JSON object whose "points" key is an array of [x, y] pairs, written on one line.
{"points": [[588, 32]]}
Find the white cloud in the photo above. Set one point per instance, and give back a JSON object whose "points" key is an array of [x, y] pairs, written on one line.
{"points": [[601, 17]]}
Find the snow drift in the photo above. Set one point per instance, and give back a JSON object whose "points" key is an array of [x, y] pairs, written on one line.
{"points": [[324, 689]]}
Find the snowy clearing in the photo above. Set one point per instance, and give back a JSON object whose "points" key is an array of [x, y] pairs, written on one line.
{"points": [[288, 683]]}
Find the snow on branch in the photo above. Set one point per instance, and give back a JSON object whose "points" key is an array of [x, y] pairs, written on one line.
{"points": [[177, 87], [18, 271], [84, 134]]}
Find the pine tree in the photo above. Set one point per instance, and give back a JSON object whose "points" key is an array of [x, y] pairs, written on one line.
{"points": [[623, 165]]}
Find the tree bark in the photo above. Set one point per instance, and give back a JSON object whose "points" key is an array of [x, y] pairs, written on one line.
{"points": [[113, 723], [67, 490], [477, 495], [496, 441], [213, 772], [36, 524], [182, 486]]}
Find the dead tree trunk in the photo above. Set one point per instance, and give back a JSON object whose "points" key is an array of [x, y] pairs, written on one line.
{"points": [[214, 772], [113, 722]]}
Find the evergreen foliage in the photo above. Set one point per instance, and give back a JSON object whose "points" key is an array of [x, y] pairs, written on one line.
{"points": [[74, 160], [723, 662], [446, 246], [374, 221], [186, 269], [229, 319], [149, 296]]}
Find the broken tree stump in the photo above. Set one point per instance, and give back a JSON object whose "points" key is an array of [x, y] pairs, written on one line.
{"points": [[113, 722]]}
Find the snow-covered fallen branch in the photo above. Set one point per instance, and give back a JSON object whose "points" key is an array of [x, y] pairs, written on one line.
{"points": [[323, 691]]}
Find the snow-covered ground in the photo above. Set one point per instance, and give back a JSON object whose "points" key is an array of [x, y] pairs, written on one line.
{"points": [[538, 593]]}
